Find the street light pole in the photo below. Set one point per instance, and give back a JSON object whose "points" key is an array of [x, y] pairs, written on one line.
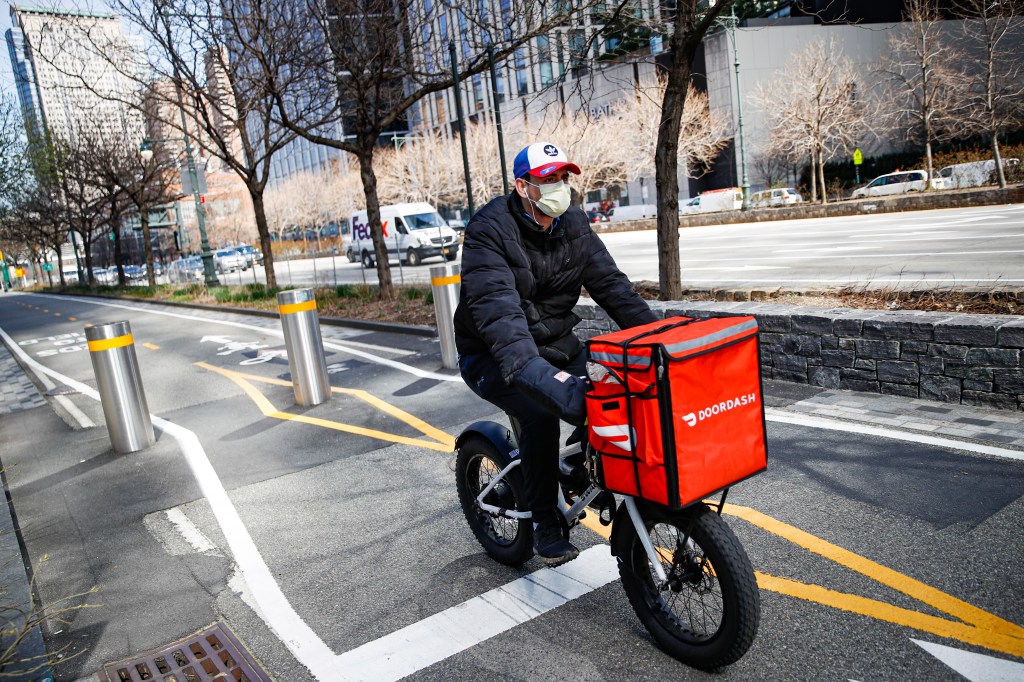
{"points": [[732, 22]]}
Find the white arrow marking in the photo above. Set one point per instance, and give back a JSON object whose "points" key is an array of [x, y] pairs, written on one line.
{"points": [[975, 667], [216, 339]]}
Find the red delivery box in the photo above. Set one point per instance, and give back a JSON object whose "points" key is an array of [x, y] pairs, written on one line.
{"points": [[677, 413]]}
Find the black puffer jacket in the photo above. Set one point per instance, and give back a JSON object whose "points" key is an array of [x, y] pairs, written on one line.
{"points": [[520, 283]]}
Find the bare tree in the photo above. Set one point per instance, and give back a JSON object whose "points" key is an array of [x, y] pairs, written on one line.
{"points": [[701, 136], [996, 97], [821, 113], [924, 73]]}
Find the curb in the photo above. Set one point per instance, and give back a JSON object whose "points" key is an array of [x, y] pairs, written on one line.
{"points": [[414, 330]]}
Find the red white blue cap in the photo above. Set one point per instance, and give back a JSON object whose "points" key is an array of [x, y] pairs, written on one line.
{"points": [[541, 159]]}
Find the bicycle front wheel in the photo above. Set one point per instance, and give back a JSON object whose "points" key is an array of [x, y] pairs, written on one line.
{"points": [[507, 540], [707, 612]]}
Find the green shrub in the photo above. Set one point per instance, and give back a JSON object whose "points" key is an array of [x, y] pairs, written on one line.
{"points": [[414, 293], [221, 294], [256, 291], [240, 297]]}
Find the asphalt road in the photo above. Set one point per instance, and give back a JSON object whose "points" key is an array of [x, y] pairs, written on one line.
{"points": [[974, 247], [864, 546]]}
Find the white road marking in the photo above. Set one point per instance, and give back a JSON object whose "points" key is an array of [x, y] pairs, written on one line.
{"points": [[333, 345], [782, 417], [190, 531], [975, 667], [81, 417], [277, 611], [460, 627]]}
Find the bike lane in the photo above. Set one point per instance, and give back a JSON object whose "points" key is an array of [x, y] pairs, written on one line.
{"points": [[827, 596]]}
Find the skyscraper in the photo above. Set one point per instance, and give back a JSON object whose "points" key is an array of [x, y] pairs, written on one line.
{"points": [[75, 73]]}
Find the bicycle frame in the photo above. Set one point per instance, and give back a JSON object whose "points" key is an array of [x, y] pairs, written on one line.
{"points": [[572, 513]]}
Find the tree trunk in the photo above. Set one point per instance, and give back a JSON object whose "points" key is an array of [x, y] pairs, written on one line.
{"points": [[260, 211], [144, 219], [380, 248], [821, 175], [998, 158], [60, 265], [814, 179], [928, 165], [117, 244]]}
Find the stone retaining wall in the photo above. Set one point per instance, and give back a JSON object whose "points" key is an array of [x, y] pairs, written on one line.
{"points": [[907, 202], [956, 358]]}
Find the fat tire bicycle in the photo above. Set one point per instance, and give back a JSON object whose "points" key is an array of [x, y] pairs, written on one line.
{"points": [[684, 571]]}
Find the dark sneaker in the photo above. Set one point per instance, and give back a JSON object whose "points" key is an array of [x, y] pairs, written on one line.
{"points": [[550, 544]]}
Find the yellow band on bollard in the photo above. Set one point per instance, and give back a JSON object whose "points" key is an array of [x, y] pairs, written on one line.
{"points": [[441, 281], [289, 308], [107, 344]]}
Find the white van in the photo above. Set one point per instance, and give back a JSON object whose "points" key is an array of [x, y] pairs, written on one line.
{"points": [[412, 232], [633, 212], [973, 174], [729, 199]]}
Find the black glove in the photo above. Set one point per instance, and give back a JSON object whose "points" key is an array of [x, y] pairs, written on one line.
{"points": [[558, 391]]}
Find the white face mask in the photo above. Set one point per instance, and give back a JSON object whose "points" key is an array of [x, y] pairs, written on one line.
{"points": [[554, 198]]}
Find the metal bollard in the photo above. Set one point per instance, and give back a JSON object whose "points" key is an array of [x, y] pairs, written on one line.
{"points": [[305, 346], [112, 350], [445, 280]]}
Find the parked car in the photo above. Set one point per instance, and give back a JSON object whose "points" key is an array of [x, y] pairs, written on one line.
{"points": [[250, 253], [105, 275], [457, 224], [770, 198], [229, 260], [134, 273], [186, 270], [597, 216], [688, 206], [897, 183], [158, 268]]}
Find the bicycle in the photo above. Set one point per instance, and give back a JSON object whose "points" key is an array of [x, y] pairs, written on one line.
{"points": [[684, 571]]}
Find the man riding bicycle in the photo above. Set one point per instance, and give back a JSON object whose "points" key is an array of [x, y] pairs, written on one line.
{"points": [[525, 258]]}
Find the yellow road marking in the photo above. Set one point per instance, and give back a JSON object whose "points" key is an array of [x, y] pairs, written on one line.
{"points": [[882, 574], [442, 442], [979, 627], [72, 319], [151, 346], [997, 641], [57, 314]]}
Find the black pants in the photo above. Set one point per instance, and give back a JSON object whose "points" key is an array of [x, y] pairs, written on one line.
{"points": [[539, 440]]}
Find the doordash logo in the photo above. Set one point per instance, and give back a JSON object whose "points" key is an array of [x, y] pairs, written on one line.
{"points": [[692, 418]]}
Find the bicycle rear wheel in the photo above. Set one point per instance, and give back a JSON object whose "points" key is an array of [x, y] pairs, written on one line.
{"points": [[507, 540], [707, 613]]}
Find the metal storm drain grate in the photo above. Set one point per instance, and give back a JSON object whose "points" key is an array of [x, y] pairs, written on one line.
{"points": [[213, 654]]}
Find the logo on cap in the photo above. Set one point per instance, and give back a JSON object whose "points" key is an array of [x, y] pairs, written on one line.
{"points": [[551, 150]]}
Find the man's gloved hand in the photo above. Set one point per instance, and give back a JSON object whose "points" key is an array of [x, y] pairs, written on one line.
{"points": [[557, 390]]}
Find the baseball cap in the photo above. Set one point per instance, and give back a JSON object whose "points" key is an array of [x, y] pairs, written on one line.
{"points": [[541, 159]]}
